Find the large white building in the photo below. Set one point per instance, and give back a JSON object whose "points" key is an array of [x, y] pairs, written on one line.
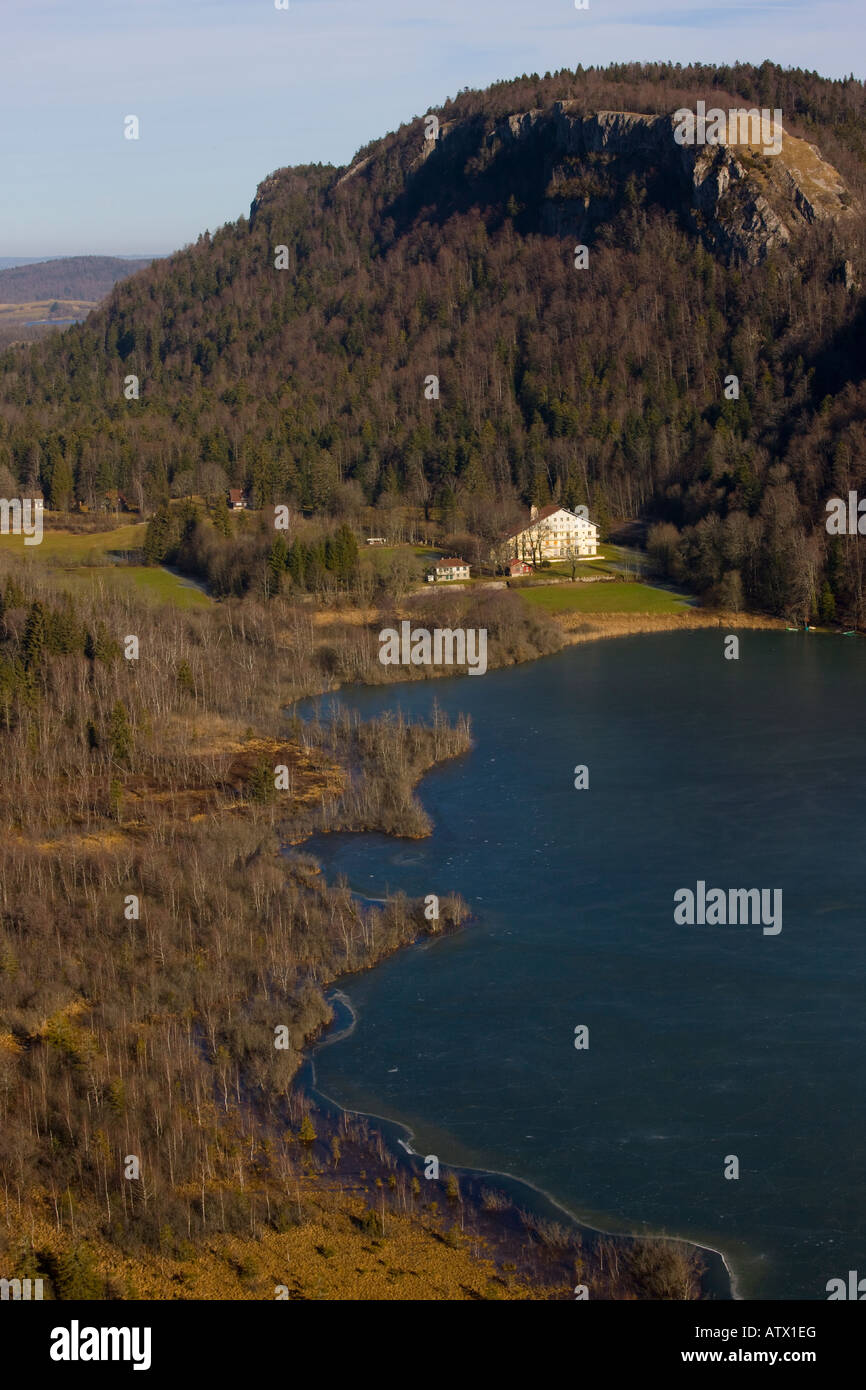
{"points": [[553, 533]]}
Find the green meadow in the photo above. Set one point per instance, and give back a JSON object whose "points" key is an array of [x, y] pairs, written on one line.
{"points": [[603, 598], [66, 545], [150, 582], [87, 559]]}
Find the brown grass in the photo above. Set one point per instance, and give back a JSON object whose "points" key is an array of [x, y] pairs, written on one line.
{"points": [[591, 627], [332, 1254]]}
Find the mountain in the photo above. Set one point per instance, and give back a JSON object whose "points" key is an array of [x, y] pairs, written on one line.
{"points": [[704, 374], [71, 277]]}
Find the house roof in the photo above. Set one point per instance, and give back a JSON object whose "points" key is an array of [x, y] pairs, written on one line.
{"points": [[542, 515], [236, 494], [446, 564]]}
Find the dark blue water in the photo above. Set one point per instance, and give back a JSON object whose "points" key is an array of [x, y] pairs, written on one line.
{"points": [[705, 1041]]}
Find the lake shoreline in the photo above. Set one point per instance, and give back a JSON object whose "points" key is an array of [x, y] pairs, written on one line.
{"points": [[593, 627], [573, 628], [717, 1280]]}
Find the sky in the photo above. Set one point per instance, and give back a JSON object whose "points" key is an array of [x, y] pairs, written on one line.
{"points": [[226, 91]]}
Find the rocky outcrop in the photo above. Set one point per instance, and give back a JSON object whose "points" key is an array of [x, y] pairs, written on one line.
{"points": [[743, 201], [573, 170]]}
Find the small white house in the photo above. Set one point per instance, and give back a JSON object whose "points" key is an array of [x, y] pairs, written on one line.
{"points": [[553, 533], [452, 568]]}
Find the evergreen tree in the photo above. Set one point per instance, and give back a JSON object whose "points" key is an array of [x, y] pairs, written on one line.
{"points": [[99, 646], [74, 1274], [277, 563], [119, 733], [63, 630], [35, 633], [61, 485], [260, 784], [297, 564], [222, 517], [158, 536]]}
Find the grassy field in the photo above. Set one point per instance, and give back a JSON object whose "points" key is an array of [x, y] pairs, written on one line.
{"points": [[604, 598], [85, 559], [378, 557], [151, 582], [66, 545], [583, 567]]}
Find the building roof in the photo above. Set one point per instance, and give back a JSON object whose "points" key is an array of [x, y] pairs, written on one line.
{"points": [[447, 564], [236, 494], [542, 514]]}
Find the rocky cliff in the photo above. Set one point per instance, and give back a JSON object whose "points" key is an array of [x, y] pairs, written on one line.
{"points": [[571, 171]]}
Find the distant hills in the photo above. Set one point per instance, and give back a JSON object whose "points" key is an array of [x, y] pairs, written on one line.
{"points": [[705, 372], [38, 298], [70, 278]]}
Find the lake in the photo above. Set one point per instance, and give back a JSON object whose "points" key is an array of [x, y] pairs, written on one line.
{"points": [[707, 1043]]}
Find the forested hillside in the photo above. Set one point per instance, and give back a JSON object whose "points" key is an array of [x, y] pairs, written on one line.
{"points": [[454, 258], [68, 277]]}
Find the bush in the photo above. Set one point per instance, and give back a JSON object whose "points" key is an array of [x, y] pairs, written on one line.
{"points": [[664, 1269], [74, 1274]]}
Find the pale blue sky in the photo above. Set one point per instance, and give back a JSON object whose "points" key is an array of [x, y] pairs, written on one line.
{"points": [[228, 90]]}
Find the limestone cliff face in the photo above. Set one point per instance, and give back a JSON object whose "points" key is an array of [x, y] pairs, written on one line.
{"points": [[572, 171], [743, 201]]}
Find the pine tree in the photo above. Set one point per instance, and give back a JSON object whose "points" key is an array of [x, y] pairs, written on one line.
{"points": [[74, 1274], [297, 564], [13, 596], [98, 646], [61, 485], [158, 537], [222, 517], [119, 733], [63, 631], [277, 562], [260, 785], [35, 633]]}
